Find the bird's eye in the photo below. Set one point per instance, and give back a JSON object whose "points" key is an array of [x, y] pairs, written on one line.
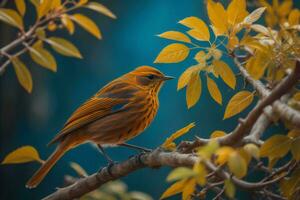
{"points": [[151, 76]]}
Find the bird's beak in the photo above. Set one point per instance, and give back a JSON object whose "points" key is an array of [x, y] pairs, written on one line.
{"points": [[165, 78]]}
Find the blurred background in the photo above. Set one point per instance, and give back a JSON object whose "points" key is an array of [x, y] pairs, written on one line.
{"points": [[128, 42]]}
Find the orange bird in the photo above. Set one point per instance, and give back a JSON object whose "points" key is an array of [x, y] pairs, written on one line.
{"points": [[116, 113]]}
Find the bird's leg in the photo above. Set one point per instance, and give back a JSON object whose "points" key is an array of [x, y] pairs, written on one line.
{"points": [[135, 147], [109, 160]]}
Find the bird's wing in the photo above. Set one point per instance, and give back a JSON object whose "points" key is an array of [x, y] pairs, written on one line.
{"points": [[111, 99]]}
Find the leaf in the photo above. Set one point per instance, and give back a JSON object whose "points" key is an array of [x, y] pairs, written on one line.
{"points": [[100, 8], [43, 8], [78, 169], [175, 35], [188, 189], [180, 173], [289, 186], [11, 17], [295, 149], [177, 134], [21, 7], [201, 57], [217, 134], [67, 22], [218, 17], [260, 29], [199, 29], [238, 103], [214, 90], [223, 154], [23, 74], [236, 11], [201, 173], [174, 189], [63, 47], [252, 150], [225, 73], [186, 76], [294, 17], [56, 4], [22, 155], [173, 53], [229, 188], [43, 57], [139, 196], [193, 90], [237, 164], [87, 24], [276, 146], [254, 16], [209, 149], [257, 65]]}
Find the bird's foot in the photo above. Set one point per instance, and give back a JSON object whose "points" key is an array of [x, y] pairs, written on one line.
{"points": [[109, 166]]}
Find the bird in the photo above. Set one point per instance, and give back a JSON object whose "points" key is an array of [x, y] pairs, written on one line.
{"points": [[118, 112]]}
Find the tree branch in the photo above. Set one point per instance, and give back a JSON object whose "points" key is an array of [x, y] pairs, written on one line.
{"points": [[268, 98]]}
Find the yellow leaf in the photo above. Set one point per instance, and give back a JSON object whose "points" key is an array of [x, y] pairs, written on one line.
{"points": [[217, 134], [223, 154], [215, 53], [101, 9], [174, 189], [63, 47], [201, 173], [290, 186], [260, 29], [257, 65], [177, 134], [237, 165], [294, 133], [252, 149], [23, 74], [20, 4], [199, 29], [225, 72], [295, 149], [254, 16], [276, 146], [193, 90], [56, 4], [244, 154], [214, 90], [209, 149], [294, 17], [218, 17], [236, 11], [285, 8], [42, 57], [189, 189], [87, 24], [233, 41], [175, 35], [11, 17], [200, 57], [186, 76], [82, 2], [229, 188], [67, 22], [22, 155], [43, 8], [173, 53], [180, 173], [78, 169], [238, 103]]}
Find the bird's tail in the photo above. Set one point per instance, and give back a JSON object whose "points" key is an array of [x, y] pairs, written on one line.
{"points": [[46, 167]]}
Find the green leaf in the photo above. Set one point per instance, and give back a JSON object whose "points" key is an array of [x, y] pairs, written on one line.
{"points": [[237, 164], [22, 155], [101, 9], [229, 188], [87, 24], [63, 47], [11, 17], [23, 74], [180, 173], [43, 57]]}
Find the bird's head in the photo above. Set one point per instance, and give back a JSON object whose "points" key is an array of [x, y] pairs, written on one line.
{"points": [[148, 78]]}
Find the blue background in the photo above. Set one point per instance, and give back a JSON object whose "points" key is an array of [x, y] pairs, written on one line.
{"points": [[128, 42]]}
